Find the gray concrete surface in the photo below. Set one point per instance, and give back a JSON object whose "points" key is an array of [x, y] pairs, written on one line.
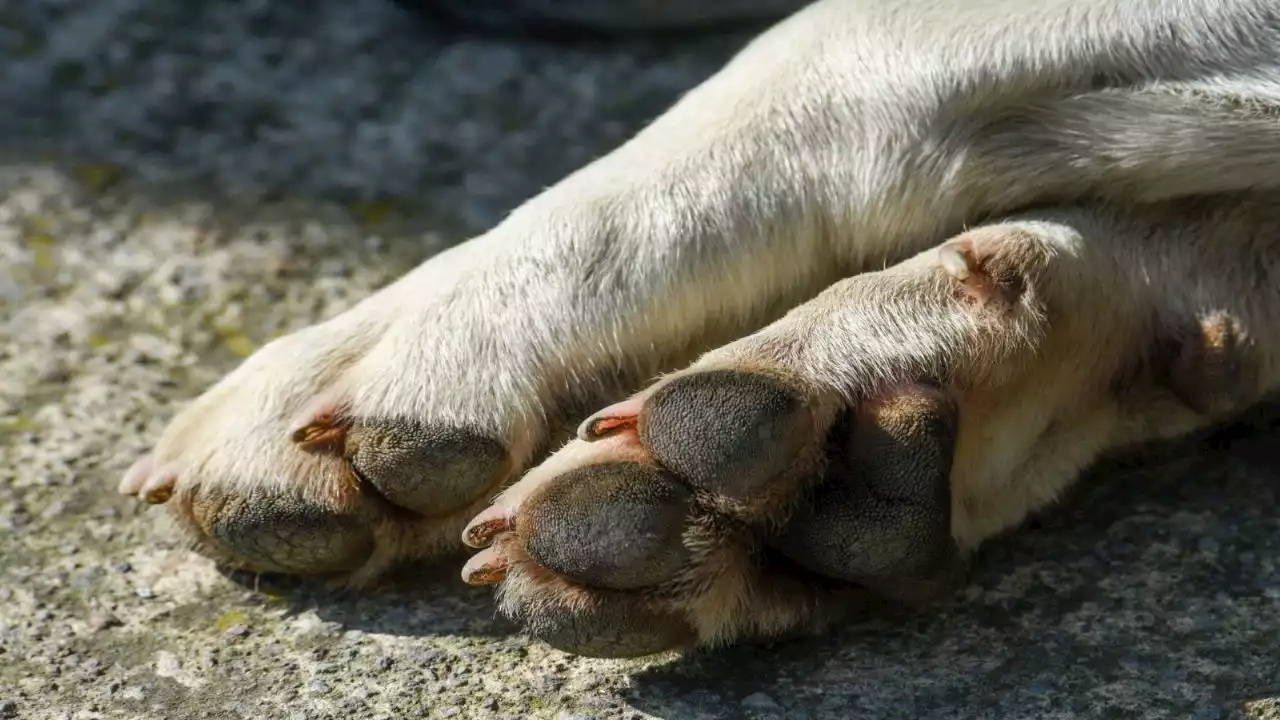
{"points": [[182, 181]]}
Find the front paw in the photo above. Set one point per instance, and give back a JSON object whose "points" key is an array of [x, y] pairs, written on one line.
{"points": [[281, 467], [867, 441], [369, 440], [720, 505]]}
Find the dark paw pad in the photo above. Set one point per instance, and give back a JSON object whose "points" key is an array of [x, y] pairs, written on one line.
{"points": [[271, 531], [727, 432], [1215, 368], [881, 517], [614, 526], [431, 470], [610, 630]]}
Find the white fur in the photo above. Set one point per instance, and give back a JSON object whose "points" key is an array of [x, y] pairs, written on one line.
{"points": [[853, 135]]}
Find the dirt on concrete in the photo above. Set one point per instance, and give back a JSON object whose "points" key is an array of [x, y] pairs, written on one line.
{"points": [[180, 182]]}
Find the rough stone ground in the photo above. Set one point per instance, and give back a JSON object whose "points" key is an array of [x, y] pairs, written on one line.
{"points": [[180, 181]]}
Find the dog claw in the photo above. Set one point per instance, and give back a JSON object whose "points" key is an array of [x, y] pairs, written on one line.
{"points": [[487, 525], [326, 431], [487, 567], [612, 420], [958, 261], [159, 487]]}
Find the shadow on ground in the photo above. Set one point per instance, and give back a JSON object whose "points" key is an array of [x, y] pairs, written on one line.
{"points": [[354, 103], [1135, 597]]}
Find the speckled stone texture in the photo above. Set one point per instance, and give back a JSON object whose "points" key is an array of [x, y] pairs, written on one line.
{"points": [[612, 17], [181, 181]]}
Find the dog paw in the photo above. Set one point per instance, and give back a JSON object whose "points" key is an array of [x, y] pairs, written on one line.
{"points": [[278, 468], [367, 440], [755, 493], [863, 445], [727, 503]]}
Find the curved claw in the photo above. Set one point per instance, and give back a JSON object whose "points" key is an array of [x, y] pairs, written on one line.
{"points": [[484, 527], [487, 567], [159, 487], [618, 417], [326, 431]]}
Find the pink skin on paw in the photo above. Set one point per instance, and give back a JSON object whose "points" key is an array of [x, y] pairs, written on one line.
{"points": [[616, 418], [322, 428], [958, 260], [148, 483]]}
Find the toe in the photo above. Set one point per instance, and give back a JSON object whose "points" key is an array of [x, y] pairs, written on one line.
{"points": [[432, 470], [272, 530], [881, 517], [729, 432], [611, 630], [617, 526]]}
